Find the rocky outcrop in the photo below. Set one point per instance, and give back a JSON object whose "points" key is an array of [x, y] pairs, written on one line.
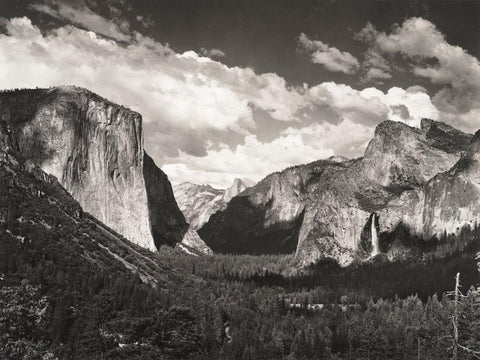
{"points": [[238, 186], [198, 203], [445, 204], [330, 208], [404, 156], [95, 149], [192, 244]]}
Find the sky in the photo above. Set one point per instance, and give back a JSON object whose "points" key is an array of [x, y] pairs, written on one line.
{"points": [[245, 88]]}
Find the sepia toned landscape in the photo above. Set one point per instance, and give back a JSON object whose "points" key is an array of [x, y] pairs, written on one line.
{"points": [[239, 179]]}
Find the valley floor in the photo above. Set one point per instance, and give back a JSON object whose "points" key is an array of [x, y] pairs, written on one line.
{"points": [[233, 307]]}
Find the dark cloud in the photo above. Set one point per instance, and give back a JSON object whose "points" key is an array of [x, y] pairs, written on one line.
{"points": [[80, 14]]}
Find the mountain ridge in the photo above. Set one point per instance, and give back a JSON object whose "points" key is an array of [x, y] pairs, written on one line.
{"points": [[334, 201], [199, 203]]}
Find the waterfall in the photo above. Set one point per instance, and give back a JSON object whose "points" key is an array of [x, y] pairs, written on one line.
{"points": [[375, 246]]}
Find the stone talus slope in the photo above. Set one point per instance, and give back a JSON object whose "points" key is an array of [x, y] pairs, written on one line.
{"points": [[95, 149], [324, 209], [192, 244], [198, 203]]}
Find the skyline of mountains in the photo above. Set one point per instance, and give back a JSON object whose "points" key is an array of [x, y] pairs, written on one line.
{"points": [[317, 210]]}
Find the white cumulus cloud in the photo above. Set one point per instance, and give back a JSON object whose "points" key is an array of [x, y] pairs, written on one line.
{"points": [[371, 106], [331, 58], [420, 41], [177, 94], [192, 104]]}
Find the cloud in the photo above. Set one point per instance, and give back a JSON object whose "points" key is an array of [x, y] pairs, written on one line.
{"points": [[192, 104], [255, 159], [145, 21], [212, 53], [359, 111], [252, 159], [375, 66], [186, 99], [85, 17], [371, 106], [330, 57], [21, 28], [433, 58], [377, 74]]}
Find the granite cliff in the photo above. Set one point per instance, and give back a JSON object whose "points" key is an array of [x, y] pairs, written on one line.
{"points": [[95, 150], [444, 204], [198, 203], [326, 208], [38, 215]]}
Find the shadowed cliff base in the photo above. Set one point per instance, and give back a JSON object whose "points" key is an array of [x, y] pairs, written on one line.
{"points": [[245, 232], [166, 220]]}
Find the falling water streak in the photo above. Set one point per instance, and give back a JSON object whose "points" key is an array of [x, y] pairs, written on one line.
{"points": [[375, 247]]}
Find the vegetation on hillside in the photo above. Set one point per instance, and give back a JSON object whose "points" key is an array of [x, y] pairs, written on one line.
{"points": [[70, 288]]}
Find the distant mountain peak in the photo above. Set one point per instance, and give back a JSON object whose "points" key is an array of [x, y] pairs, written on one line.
{"points": [[198, 203], [238, 186], [324, 209]]}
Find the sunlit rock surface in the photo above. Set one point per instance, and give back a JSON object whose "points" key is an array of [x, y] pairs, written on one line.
{"points": [[325, 208], [198, 203], [443, 205], [95, 149]]}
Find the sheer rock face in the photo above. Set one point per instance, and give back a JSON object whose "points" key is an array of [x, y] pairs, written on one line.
{"points": [[406, 156], [238, 186], [95, 149], [266, 218], [167, 221], [324, 209], [198, 203], [445, 204], [30, 196]]}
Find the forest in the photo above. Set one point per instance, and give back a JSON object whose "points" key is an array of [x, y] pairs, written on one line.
{"points": [[230, 307], [72, 289]]}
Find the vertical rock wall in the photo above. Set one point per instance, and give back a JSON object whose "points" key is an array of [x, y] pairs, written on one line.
{"points": [[95, 149]]}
